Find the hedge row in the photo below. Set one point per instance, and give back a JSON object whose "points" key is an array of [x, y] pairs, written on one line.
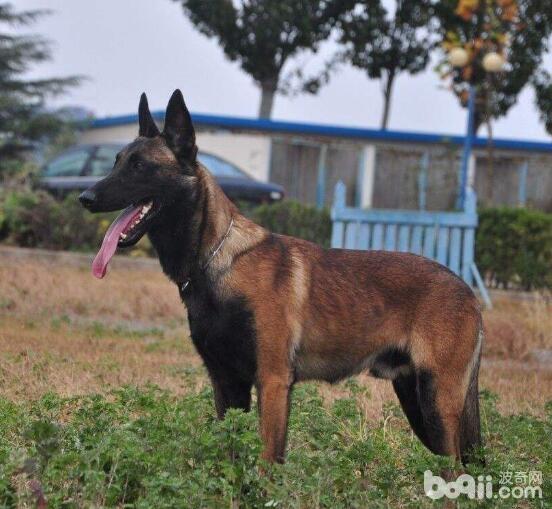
{"points": [[37, 219], [295, 219], [513, 246]]}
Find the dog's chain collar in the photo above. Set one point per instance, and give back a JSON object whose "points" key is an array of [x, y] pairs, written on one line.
{"points": [[186, 283]]}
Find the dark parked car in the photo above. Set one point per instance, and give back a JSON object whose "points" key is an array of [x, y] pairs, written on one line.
{"points": [[80, 166]]}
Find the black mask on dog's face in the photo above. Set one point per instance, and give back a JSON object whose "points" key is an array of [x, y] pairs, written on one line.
{"points": [[149, 174]]}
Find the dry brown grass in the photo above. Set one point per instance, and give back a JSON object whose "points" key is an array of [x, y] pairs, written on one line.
{"points": [[63, 331], [516, 327], [37, 357], [34, 288]]}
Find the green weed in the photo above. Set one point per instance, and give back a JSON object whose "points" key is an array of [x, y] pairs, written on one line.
{"points": [[148, 448]]}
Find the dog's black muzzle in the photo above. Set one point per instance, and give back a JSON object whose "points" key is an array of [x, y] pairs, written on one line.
{"points": [[107, 195], [88, 199]]}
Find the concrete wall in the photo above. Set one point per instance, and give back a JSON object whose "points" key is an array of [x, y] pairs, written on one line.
{"points": [[296, 165], [115, 134], [397, 170], [500, 182], [397, 181], [250, 152]]}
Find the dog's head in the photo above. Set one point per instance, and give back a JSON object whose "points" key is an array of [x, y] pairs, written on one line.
{"points": [[148, 176]]}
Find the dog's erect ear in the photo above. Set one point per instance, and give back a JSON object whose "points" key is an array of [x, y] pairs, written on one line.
{"points": [[179, 131], [145, 120]]}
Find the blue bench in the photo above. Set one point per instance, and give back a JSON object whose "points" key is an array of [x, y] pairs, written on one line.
{"points": [[447, 237]]}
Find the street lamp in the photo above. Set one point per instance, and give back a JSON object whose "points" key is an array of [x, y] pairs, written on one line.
{"points": [[475, 42], [491, 62]]}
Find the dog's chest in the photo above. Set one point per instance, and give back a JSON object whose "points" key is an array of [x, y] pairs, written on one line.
{"points": [[224, 335]]}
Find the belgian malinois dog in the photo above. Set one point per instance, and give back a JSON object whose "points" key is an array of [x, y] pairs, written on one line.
{"points": [[268, 310]]}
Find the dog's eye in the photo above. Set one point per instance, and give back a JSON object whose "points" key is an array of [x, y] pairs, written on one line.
{"points": [[138, 165]]}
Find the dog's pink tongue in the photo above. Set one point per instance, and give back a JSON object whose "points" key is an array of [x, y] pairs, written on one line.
{"points": [[111, 238]]}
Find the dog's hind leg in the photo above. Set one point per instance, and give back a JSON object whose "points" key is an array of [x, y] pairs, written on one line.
{"points": [[431, 416], [449, 402], [443, 368], [434, 422], [442, 401], [405, 388]]}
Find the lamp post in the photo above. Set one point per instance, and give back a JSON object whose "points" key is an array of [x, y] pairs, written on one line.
{"points": [[475, 41], [491, 62]]}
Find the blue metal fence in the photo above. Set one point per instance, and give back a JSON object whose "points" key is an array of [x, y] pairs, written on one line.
{"points": [[447, 237]]}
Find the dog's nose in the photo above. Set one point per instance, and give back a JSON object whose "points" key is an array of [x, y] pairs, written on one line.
{"points": [[88, 198]]}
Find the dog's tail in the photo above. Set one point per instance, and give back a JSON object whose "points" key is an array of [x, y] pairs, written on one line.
{"points": [[470, 424]]}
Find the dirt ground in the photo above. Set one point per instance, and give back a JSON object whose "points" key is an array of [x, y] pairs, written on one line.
{"points": [[61, 330]]}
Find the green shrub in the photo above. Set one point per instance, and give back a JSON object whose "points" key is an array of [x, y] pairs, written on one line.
{"points": [[37, 219], [293, 218], [13, 205], [514, 247]]}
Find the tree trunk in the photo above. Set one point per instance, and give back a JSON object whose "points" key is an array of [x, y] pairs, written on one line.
{"points": [[490, 155], [268, 91], [387, 92]]}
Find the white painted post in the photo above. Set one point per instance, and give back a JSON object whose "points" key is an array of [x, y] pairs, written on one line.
{"points": [[471, 170], [368, 176], [338, 226]]}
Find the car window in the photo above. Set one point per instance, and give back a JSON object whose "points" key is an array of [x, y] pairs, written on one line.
{"points": [[219, 167], [103, 160], [69, 164]]}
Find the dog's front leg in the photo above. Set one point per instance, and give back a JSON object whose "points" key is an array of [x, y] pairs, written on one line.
{"points": [[274, 380], [274, 394], [230, 393]]}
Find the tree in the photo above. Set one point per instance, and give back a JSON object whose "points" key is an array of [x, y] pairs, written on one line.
{"points": [[519, 30], [24, 120], [385, 45], [263, 35], [542, 83]]}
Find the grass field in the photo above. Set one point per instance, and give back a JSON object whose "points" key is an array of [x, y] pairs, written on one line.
{"points": [[103, 402]]}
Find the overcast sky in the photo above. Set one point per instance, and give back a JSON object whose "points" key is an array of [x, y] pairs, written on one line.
{"points": [[129, 46]]}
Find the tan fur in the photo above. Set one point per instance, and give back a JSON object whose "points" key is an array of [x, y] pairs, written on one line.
{"points": [[328, 314]]}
